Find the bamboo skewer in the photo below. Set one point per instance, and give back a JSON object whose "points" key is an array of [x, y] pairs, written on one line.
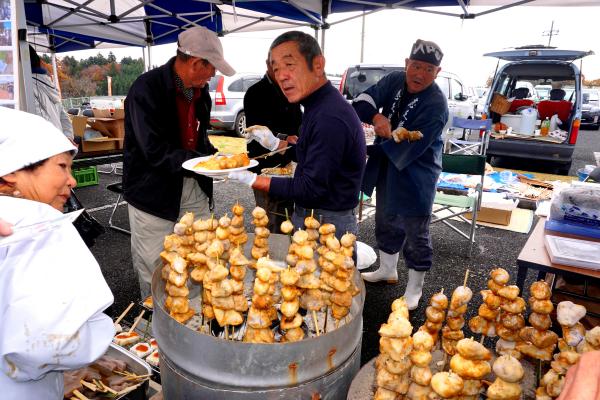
{"points": [[79, 395], [89, 385], [466, 278], [326, 317], [314, 314], [137, 321], [124, 313]]}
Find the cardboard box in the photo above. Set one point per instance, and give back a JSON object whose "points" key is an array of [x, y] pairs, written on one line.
{"points": [[495, 209], [101, 144], [109, 123]]}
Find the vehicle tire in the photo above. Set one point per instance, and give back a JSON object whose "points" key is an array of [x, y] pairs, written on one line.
{"points": [[596, 127], [240, 125]]}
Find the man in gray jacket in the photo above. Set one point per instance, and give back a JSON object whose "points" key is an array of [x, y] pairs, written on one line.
{"points": [[47, 102]]}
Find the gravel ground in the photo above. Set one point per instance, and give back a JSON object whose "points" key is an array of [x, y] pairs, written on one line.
{"points": [[494, 247]]}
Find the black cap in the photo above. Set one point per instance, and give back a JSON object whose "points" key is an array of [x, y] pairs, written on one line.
{"points": [[425, 51]]}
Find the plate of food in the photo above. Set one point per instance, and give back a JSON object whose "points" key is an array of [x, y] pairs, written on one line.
{"points": [[219, 166]]}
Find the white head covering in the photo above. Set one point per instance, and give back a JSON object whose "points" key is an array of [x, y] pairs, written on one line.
{"points": [[26, 139]]}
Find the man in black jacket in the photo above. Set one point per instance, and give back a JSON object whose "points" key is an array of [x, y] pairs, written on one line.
{"points": [[167, 113], [265, 104]]}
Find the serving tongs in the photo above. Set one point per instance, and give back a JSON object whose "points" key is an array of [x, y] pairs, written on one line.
{"points": [[271, 153]]}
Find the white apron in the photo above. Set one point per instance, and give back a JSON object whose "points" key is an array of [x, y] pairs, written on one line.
{"points": [[52, 294]]}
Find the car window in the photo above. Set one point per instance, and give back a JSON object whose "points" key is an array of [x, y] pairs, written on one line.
{"points": [[212, 84], [444, 85], [360, 79], [455, 87], [236, 86], [249, 81], [590, 97]]}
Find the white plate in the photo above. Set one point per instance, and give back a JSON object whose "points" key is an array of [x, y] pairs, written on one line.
{"points": [[214, 173]]}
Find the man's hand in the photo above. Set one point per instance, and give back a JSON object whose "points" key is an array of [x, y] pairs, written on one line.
{"points": [[292, 139], [246, 177], [264, 136], [382, 126], [583, 379], [5, 228]]}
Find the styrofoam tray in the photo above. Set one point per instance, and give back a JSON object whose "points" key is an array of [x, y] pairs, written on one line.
{"points": [[574, 252]]}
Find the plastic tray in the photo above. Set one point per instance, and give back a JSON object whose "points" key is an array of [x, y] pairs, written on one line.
{"points": [[86, 176], [572, 229]]}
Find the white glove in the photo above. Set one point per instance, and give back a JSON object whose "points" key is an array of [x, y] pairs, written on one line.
{"points": [[264, 136], [246, 177]]}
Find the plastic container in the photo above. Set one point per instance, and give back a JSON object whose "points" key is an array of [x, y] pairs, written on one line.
{"points": [[582, 174], [85, 176], [528, 118]]}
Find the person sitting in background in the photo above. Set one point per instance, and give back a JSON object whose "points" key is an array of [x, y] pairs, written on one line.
{"points": [[46, 99], [265, 104], [52, 292]]}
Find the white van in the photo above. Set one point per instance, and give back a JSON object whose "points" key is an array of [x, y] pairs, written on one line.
{"points": [[360, 77]]}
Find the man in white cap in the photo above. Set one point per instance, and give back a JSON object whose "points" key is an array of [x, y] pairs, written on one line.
{"points": [[405, 174], [167, 113]]}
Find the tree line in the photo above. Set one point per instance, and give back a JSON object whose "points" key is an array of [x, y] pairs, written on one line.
{"points": [[87, 77]]}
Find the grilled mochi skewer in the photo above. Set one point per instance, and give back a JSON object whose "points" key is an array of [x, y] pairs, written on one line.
{"points": [[420, 374], [220, 287], [509, 373], [435, 314], [262, 311], [260, 246], [446, 385], [216, 247], [176, 249], [489, 311], [537, 341], [393, 365], [237, 231], [455, 320], [291, 320], [471, 364], [204, 234], [568, 315]]}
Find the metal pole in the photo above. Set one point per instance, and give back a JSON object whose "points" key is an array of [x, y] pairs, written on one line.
{"points": [[316, 33], [362, 39], [149, 57], [55, 73], [25, 92], [323, 40], [144, 58]]}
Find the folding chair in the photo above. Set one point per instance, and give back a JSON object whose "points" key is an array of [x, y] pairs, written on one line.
{"points": [[456, 206], [116, 188], [466, 145]]}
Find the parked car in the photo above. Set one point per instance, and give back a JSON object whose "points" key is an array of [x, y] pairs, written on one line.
{"points": [[227, 96], [590, 107], [539, 66], [360, 77]]}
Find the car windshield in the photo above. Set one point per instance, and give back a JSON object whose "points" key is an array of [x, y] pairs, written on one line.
{"points": [[361, 78], [590, 97]]}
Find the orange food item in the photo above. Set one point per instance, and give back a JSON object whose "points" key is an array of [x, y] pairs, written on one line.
{"points": [[500, 126], [224, 162]]}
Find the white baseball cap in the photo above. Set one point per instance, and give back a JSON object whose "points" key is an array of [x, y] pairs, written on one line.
{"points": [[26, 139], [203, 43]]}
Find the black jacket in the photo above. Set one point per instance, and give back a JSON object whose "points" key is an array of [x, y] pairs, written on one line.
{"points": [[265, 104], [153, 154]]}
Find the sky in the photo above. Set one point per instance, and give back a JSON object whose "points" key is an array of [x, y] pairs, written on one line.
{"points": [[390, 34]]}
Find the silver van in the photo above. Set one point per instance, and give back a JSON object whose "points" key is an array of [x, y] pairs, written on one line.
{"points": [[541, 67]]}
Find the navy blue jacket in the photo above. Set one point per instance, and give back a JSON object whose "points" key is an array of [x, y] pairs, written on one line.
{"points": [[413, 168], [153, 153], [330, 152]]}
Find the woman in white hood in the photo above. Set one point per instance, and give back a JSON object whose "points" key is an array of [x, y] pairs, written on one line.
{"points": [[46, 99], [52, 292]]}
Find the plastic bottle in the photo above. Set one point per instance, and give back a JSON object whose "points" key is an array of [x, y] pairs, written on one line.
{"points": [[545, 128]]}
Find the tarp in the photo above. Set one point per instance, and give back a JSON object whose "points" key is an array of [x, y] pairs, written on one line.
{"points": [[78, 24]]}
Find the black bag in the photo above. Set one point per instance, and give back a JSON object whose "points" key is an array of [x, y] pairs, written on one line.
{"points": [[88, 227]]}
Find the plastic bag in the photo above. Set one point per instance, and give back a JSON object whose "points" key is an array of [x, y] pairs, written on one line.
{"points": [[554, 122], [365, 255]]}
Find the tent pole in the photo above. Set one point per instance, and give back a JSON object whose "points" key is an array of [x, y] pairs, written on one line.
{"points": [[362, 39], [55, 73], [144, 58], [149, 57], [316, 33], [24, 95], [323, 40]]}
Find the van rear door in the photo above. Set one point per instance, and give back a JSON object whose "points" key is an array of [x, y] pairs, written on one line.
{"points": [[539, 54]]}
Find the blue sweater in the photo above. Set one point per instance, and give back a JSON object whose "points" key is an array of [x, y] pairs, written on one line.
{"points": [[330, 152], [411, 168]]}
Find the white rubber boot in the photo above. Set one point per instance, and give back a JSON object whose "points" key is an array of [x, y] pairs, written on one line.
{"points": [[414, 288], [388, 269]]}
